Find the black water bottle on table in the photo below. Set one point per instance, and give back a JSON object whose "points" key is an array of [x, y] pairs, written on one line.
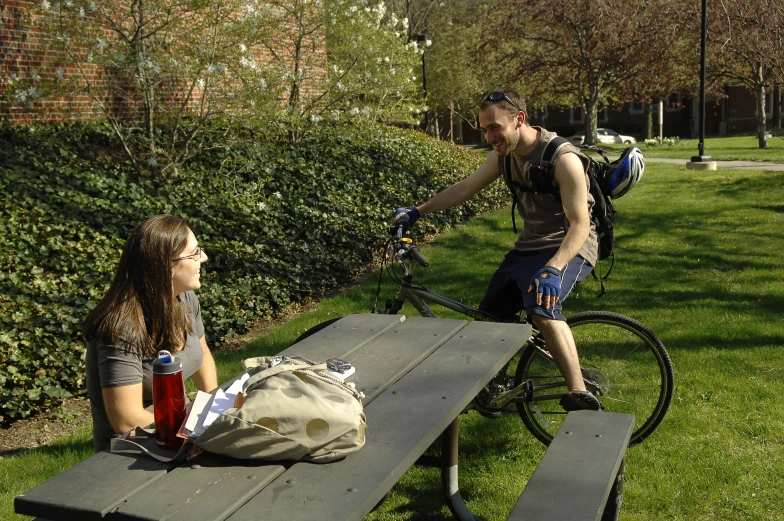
{"points": [[168, 396]]}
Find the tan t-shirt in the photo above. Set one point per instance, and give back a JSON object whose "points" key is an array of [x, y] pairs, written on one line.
{"points": [[545, 222]]}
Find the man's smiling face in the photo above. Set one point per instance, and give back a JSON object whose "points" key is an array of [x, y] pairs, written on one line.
{"points": [[500, 129]]}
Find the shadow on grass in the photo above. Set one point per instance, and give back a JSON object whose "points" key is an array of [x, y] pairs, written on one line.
{"points": [[481, 440], [58, 448]]}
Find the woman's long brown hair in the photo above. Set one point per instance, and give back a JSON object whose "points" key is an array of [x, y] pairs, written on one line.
{"points": [[140, 312]]}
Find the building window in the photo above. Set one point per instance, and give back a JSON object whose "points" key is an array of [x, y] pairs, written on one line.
{"points": [[576, 115], [636, 107], [674, 103], [603, 115]]}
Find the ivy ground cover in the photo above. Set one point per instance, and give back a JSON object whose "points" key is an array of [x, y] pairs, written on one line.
{"points": [[281, 224]]}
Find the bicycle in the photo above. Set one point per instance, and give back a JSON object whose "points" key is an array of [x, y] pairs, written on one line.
{"points": [[624, 364]]}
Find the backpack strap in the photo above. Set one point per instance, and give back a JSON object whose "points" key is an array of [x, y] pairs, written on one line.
{"points": [[541, 174], [552, 147], [141, 440], [604, 277], [505, 165]]}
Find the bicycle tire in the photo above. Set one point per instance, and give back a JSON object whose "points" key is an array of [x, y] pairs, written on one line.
{"points": [[624, 364]]}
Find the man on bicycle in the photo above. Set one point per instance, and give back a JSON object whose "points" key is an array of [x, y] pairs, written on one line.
{"points": [[557, 247]]}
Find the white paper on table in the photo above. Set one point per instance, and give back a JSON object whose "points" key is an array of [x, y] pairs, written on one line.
{"points": [[221, 402], [200, 404]]}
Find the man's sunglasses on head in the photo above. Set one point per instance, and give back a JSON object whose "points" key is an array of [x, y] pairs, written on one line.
{"points": [[500, 96]]}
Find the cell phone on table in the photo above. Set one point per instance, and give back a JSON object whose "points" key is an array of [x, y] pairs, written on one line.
{"points": [[338, 365]]}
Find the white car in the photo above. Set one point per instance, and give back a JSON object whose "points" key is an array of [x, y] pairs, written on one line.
{"points": [[605, 135]]}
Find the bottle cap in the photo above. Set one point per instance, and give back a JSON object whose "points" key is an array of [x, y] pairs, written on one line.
{"points": [[166, 363]]}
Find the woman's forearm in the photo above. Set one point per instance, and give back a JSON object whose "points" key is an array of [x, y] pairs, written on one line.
{"points": [[206, 377]]}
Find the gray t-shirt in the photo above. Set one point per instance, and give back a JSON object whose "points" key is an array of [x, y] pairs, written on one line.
{"points": [[108, 366], [545, 223]]}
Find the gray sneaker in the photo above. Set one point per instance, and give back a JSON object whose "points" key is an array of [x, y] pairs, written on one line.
{"points": [[579, 401]]}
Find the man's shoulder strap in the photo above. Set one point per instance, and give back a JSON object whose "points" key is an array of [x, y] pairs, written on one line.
{"points": [[552, 147], [505, 161]]}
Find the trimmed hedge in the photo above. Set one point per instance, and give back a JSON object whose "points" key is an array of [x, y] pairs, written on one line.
{"points": [[280, 223]]}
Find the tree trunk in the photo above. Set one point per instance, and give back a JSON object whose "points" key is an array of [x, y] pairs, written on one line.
{"points": [[648, 120], [761, 123], [776, 122], [451, 121], [146, 85], [590, 116]]}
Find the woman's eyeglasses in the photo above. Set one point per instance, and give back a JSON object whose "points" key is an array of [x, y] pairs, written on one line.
{"points": [[193, 256], [500, 96]]}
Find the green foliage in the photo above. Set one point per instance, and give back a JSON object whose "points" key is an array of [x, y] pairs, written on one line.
{"points": [[280, 224], [711, 288], [730, 148], [458, 71], [161, 81]]}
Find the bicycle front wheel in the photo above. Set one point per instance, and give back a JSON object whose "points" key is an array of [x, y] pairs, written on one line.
{"points": [[624, 364]]}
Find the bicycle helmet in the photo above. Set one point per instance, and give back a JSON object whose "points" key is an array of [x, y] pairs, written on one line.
{"points": [[626, 172]]}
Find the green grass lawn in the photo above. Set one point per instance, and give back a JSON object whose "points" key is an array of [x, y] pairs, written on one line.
{"points": [[736, 148], [698, 261]]}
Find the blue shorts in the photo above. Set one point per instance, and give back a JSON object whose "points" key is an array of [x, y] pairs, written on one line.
{"points": [[508, 292]]}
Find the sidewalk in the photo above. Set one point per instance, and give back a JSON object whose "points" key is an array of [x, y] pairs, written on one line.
{"points": [[738, 165]]}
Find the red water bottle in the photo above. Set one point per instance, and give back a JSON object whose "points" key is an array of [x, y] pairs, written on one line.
{"points": [[168, 397]]}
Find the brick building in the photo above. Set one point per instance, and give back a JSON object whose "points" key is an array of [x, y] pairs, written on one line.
{"points": [[23, 54]]}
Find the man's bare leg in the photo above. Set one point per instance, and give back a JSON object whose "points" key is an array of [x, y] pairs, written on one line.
{"points": [[560, 343]]}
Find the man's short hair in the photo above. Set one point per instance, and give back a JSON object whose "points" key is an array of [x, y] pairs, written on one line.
{"points": [[505, 105]]}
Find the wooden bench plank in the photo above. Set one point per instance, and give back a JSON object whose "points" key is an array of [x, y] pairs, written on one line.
{"points": [[230, 483], [211, 487], [577, 472], [355, 338], [91, 489], [388, 356], [343, 337], [425, 400]]}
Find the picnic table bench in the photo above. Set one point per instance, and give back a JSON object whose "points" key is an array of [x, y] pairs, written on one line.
{"points": [[580, 476], [418, 375]]}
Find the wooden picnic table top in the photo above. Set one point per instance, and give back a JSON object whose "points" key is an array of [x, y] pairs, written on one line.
{"points": [[418, 374]]}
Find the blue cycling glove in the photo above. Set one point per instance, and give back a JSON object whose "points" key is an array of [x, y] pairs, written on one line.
{"points": [[547, 281], [406, 215]]}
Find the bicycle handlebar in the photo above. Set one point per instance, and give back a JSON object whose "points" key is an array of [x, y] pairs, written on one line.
{"points": [[410, 251], [417, 256]]}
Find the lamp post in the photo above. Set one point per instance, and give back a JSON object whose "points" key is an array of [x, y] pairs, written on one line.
{"points": [[422, 39], [701, 161]]}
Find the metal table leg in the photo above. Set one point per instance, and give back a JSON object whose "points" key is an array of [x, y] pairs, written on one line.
{"points": [[449, 441]]}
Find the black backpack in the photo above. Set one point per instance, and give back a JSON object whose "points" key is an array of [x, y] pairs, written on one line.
{"points": [[543, 181]]}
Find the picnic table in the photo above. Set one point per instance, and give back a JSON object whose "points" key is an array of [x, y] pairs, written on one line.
{"points": [[418, 375]]}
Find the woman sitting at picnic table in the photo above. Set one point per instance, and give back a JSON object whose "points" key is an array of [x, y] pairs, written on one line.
{"points": [[150, 306]]}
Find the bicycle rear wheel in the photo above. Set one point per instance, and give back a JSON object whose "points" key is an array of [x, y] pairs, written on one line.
{"points": [[623, 363]]}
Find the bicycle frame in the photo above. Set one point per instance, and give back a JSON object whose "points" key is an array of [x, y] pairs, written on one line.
{"points": [[536, 378], [418, 297]]}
